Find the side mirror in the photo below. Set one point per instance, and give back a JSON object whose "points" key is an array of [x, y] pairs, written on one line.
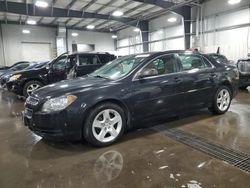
{"points": [[47, 67], [148, 72]]}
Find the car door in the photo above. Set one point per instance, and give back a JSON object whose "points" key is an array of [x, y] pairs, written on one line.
{"points": [[155, 95], [58, 69], [87, 63], [197, 86]]}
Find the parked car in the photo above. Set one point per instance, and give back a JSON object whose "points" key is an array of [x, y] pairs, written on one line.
{"points": [[102, 105], [243, 66], [63, 67], [17, 67], [8, 67], [5, 77]]}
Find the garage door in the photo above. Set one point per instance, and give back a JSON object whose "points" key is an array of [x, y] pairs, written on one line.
{"points": [[36, 51]]}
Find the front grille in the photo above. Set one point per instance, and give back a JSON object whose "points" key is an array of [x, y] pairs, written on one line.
{"points": [[235, 158]]}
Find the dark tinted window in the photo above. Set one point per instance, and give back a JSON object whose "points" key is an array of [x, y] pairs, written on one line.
{"points": [[88, 60], [207, 62], [191, 61], [119, 68], [19, 63], [60, 63], [220, 58], [20, 66], [164, 65]]}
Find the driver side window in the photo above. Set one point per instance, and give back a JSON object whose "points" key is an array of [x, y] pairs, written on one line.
{"points": [[60, 63], [163, 65]]}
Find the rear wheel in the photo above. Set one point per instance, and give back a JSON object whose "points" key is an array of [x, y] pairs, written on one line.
{"points": [[222, 101], [31, 86], [105, 125]]}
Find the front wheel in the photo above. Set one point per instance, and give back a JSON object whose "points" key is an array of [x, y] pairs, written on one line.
{"points": [[31, 86], [222, 101], [105, 125]]}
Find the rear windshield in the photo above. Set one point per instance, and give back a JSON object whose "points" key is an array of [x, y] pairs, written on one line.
{"points": [[220, 58]]}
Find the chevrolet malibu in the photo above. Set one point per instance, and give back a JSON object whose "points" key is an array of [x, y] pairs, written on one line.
{"points": [[101, 106]]}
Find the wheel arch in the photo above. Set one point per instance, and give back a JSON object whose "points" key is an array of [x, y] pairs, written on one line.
{"points": [[29, 80], [32, 79], [114, 101], [229, 85]]}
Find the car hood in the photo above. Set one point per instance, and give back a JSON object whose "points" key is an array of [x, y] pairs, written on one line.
{"points": [[5, 75], [2, 72], [78, 85], [29, 72]]}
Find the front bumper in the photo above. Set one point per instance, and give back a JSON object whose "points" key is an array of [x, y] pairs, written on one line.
{"points": [[3, 82], [53, 126], [15, 87]]}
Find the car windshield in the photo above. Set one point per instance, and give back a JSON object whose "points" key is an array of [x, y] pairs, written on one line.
{"points": [[41, 65], [31, 66], [19, 67], [119, 68]]}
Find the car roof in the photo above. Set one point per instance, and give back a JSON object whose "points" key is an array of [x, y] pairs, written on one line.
{"points": [[85, 53], [165, 52], [145, 53], [215, 54]]}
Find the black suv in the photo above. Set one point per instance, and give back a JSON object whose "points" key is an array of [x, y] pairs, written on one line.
{"points": [[243, 66], [63, 67]]}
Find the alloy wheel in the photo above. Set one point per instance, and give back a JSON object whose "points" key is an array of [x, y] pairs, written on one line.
{"points": [[107, 125], [32, 87], [223, 100]]}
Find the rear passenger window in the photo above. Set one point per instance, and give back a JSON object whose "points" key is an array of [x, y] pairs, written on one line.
{"points": [[88, 60], [164, 65], [191, 61]]}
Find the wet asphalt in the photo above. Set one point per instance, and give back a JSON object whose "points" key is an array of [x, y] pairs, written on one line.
{"points": [[142, 158]]}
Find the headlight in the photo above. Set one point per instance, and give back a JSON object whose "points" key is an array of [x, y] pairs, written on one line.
{"points": [[15, 77], [59, 103]]}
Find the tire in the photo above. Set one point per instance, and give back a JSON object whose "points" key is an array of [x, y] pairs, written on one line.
{"points": [[222, 107], [27, 87], [99, 128]]}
